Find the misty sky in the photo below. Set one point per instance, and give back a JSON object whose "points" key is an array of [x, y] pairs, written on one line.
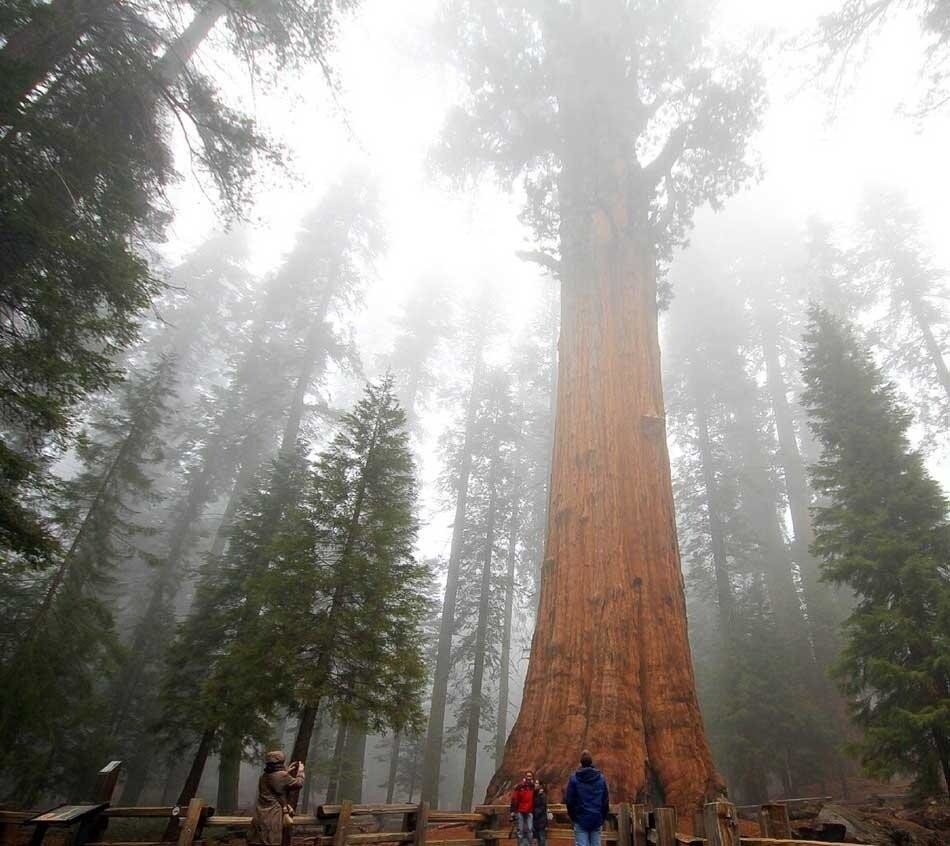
{"points": [[393, 97]]}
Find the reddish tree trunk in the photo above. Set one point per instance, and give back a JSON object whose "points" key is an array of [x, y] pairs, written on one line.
{"points": [[610, 666]]}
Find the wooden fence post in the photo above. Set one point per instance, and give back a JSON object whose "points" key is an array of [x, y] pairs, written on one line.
{"points": [[106, 780], [665, 819], [624, 825], [191, 822], [638, 824], [699, 824], [773, 821], [343, 823], [722, 828], [422, 824]]}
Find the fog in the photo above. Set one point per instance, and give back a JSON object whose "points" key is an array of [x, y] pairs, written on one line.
{"points": [[431, 285]]}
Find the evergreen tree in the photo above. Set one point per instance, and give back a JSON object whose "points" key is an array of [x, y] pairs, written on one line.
{"points": [[64, 637], [480, 321], [352, 625], [884, 532], [90, 93], [847, 33], [899, 281], [728, 502], [425, 321]]}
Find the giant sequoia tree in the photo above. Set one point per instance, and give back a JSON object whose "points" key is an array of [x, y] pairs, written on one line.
{"points": [[622, 121]]}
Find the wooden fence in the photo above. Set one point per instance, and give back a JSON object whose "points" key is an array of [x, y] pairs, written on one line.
{"points": [[347, 824]]}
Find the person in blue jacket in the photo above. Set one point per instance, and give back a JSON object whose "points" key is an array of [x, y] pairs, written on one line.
{"points": [[588, 802]]}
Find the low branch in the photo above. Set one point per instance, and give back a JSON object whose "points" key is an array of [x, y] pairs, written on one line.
{"points": [[666, 158], [542, 258]]}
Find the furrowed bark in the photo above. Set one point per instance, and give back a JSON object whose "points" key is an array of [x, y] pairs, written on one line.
{"points": [[610, 666]]}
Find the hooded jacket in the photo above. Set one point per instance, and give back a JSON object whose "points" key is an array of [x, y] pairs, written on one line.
{"points": [[587, 799], [273, 794]]}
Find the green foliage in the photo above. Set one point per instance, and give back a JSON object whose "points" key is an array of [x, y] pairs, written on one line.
{"points": [[564, 94], [318, 597], [902, 288], [755, 670], [62, 637], [883, 531], [92, 94], [357, 615]]}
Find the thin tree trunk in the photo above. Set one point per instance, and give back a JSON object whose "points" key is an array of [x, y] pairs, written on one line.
{"points": [[943, 753], [62, 572], [822, 616], [481, 639], [180, 52], [334, 782], [724, 593], [432, 759], [393, 768], [192, 781], [351, 771], [610, 666], [501, 734], [229, 772], [310, 780], [933, 348]]}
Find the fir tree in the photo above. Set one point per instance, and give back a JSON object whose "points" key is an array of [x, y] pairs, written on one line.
{"points": [[351, 625], [884, 532], [65, 637], [899, 280]]}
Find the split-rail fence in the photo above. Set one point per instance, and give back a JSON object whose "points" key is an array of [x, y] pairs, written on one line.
{"points": [[347, 824]]}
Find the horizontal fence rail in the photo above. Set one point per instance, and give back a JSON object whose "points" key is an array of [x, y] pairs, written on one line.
{"points": [[343, 824]]}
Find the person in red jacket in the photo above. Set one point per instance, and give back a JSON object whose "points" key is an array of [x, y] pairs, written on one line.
{"points": [[522, 808]]}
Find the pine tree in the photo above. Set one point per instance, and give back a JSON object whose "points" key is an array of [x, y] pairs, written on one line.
{"points": [[884, 532]]}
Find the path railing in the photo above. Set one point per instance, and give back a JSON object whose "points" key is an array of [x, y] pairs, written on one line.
{"points": [[346, 824]]}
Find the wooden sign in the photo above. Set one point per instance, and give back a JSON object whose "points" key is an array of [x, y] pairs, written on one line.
{"points": [[66, 814]]}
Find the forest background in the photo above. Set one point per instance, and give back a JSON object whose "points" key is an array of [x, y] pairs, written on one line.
{"points": [[439, 296]]}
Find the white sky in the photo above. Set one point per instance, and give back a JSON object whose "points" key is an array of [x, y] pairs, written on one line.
{"points": [[394, 102]]}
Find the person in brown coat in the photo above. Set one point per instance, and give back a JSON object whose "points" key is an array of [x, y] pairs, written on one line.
{"points": [[274, 795]]}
